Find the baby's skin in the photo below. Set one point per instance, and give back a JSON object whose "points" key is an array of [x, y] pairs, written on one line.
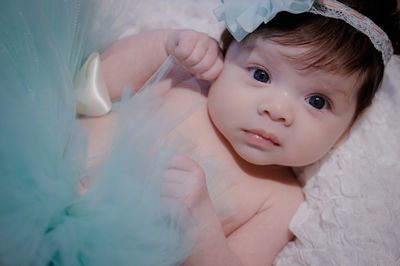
{"points": [[255, 132]]}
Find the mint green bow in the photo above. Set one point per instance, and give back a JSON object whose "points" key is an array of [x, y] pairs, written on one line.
{"points": [[244, 16]]}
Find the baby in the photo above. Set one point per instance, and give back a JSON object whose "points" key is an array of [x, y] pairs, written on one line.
{"points": [[282, 97]]}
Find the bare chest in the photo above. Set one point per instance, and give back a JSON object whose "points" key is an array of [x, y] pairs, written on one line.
{"points": [[238, 195]]}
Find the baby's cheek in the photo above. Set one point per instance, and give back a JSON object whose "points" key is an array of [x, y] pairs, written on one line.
{"points": [[313, 149]]}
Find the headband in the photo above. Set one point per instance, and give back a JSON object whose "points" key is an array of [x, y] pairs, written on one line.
{"points": [[243, 17]]}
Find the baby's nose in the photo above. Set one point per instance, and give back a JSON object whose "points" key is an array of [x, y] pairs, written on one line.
{"points": [[278, 110]]}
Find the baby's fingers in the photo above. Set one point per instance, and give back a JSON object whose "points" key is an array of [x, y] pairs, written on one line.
{"points": [[196, 52], [174, 184], [206, 58], [185, 179], [212, 72], [185, 163], [181, 44], [191, 54]]}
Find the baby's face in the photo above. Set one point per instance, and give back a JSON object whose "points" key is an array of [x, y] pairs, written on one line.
{"points": [[273, 113]]}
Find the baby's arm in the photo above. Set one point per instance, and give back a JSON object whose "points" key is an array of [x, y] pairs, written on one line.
{"points": [[132, 60], [260, 239], [257, 242]]}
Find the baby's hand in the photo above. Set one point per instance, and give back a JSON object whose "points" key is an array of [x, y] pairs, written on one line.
{"points": [[196, 52], [184, 187]]}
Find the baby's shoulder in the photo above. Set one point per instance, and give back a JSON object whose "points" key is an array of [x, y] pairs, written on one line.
{"points": [[285, 193], [264, 208], [278, 186]]}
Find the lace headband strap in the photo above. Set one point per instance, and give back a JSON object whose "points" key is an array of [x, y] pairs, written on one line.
{"points": [[337, 10], [243, 17]]}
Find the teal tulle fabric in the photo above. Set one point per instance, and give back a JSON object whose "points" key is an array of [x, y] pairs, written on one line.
{"points": [[43, 150]]}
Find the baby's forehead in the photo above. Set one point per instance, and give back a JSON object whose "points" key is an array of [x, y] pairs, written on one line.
{"points": [[303, 56], [275, 47]]}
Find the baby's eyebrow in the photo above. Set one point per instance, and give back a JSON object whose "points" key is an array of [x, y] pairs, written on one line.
{"points": [[337, 90], [331, 83], [340, 91], [300, 63]]}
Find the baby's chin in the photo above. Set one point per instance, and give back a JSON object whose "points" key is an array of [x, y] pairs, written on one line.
{"points": [[302, 162], [254, 158], [259, 160]]}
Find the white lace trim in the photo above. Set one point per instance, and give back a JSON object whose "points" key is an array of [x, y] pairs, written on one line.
{"points": [[335, 9]]}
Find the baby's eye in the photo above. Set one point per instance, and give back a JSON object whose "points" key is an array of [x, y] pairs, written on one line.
{"points": [[260, 75], [318, 102]]}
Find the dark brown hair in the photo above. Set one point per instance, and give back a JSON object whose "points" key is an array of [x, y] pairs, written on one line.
{"points": [[335, 45]]}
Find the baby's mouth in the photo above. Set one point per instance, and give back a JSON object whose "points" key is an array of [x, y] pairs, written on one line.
{"points": [[261, 138]]}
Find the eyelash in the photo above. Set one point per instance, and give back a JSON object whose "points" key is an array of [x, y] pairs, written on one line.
{"points": [[253, 70], [327, 102]]}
